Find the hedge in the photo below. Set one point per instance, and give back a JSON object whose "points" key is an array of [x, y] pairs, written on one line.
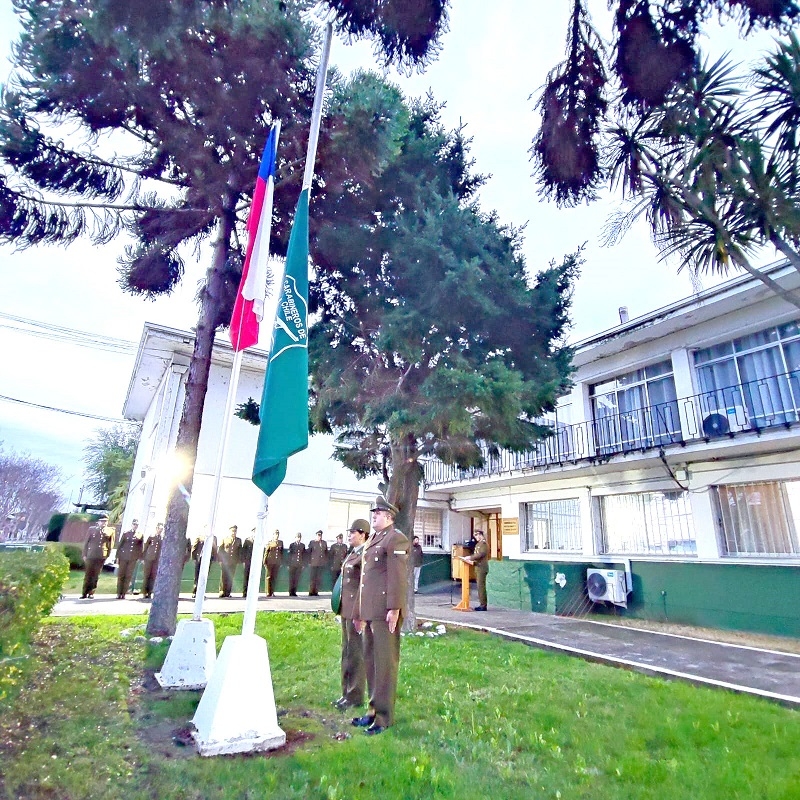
{"points": [[73, 553], [30, 585]]}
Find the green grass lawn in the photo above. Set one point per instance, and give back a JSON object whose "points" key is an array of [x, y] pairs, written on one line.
{"points": [[477, 717]]}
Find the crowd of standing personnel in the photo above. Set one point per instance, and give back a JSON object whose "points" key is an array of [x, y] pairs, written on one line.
{"points": [[373, 571]]}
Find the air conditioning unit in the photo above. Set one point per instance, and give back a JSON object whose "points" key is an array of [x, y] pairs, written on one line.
{"points": [[721, 421], [607, 585]]}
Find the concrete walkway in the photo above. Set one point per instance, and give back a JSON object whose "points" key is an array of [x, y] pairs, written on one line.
{"points": [[751, 670], [766, 673]]}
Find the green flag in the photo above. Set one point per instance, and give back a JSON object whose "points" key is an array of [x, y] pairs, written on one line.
{"points": [[284, 403]]}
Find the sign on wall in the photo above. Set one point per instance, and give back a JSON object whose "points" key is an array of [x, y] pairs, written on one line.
{"points": [[509, 526]]}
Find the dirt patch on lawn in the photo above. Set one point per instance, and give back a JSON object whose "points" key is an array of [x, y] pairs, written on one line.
{"points": [[171, 739]]}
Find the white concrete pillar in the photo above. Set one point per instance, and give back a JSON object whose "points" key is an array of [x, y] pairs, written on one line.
{"points": [[682, 372], [704, 517]]}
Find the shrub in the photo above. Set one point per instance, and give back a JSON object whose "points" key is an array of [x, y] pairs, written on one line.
{"points": [[30, 585], [72, 552]]}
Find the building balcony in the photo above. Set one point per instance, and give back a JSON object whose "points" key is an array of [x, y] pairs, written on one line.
{"points": [[745, 409]]}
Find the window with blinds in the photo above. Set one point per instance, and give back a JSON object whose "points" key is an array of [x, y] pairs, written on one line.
{"points": [[759, 519]]}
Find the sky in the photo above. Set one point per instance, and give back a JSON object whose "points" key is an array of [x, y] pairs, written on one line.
{"points": [[489, 73]]}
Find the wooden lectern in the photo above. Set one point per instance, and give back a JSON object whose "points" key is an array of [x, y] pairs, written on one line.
{"points": [[462, 570]]}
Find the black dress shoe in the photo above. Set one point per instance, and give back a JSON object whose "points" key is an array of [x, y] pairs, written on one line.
{"points": [[480, 608], [374, 729], [363, 722]]}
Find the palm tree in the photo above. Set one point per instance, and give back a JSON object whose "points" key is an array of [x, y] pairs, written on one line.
{"points": [[714, 168]]}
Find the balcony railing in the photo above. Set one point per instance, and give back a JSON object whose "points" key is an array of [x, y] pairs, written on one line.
{"points": [[724, 412]]}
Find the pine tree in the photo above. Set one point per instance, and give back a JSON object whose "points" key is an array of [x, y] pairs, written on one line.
{"points": [[150, 120]]}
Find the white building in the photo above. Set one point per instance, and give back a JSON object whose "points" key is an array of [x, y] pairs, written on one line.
{"points": [[675, 456], [318, 492]]}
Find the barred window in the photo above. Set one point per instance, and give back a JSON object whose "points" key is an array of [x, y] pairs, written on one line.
{"points": [[428, 526], [648, 523], [759, 519], [553, 525]]}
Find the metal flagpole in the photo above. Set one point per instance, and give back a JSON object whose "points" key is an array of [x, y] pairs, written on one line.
{"points": [[237, 711], [316, 114]]}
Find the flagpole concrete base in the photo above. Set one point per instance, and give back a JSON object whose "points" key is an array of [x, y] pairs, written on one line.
{"points": [[191, 656], [237, 711]]}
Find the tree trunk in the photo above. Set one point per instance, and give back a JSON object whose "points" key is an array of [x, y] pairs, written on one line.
{"points": [[164, 611], [404, 493]]}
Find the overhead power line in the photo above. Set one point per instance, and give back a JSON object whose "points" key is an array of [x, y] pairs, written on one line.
{"points": [[47, 330], [66, 411]]}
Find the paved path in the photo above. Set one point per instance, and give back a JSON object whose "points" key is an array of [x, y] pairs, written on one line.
{"points": [[766, 673]]}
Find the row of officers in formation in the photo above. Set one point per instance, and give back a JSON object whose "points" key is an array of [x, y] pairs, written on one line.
{"points": [[370, 597], [230, 551]]}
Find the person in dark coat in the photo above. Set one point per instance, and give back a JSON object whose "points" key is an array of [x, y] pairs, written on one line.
{"points": [[96, 550], [273, 556], [318, 557], [297, 560], [337, 552], [354, 676], [129, 552], [228, 557], [379, 610], [150, 557], [416, 561], [246, 557]]}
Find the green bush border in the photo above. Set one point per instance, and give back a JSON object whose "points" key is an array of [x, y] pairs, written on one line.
{"points": [[30, 585]]}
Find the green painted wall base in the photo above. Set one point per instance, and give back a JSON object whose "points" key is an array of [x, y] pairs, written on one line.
{"points": [[758, 598]]}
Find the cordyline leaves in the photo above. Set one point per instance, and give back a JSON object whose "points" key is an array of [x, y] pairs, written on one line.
{"points": [[714, 168], [655, 51], [572, 106], [405, 32]]}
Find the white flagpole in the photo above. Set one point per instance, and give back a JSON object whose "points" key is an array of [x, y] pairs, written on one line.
{"points": [[316, 114], [237, 711], [254, 578]]}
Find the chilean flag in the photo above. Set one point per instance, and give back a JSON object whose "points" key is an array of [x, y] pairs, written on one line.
{"points": [[248, 311]]}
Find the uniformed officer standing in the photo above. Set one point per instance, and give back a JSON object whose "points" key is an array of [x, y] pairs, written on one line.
{"points": [[338, 551], [379, 609], [96, 549], [480, 558], [129, 551], [246, 557], [273, 555], [150, 557], [228, 557], [318, 556], [297, 560], [354, 675]]}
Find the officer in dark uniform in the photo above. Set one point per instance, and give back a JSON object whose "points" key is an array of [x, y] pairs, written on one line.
{"points": [[379, 610], [96, 550], [273, 556], [129, 551], [318, 556], [150, 558], [354, 676], [246, 556], [480, 558], [228, 557], [297, 560], [337, 552]]}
